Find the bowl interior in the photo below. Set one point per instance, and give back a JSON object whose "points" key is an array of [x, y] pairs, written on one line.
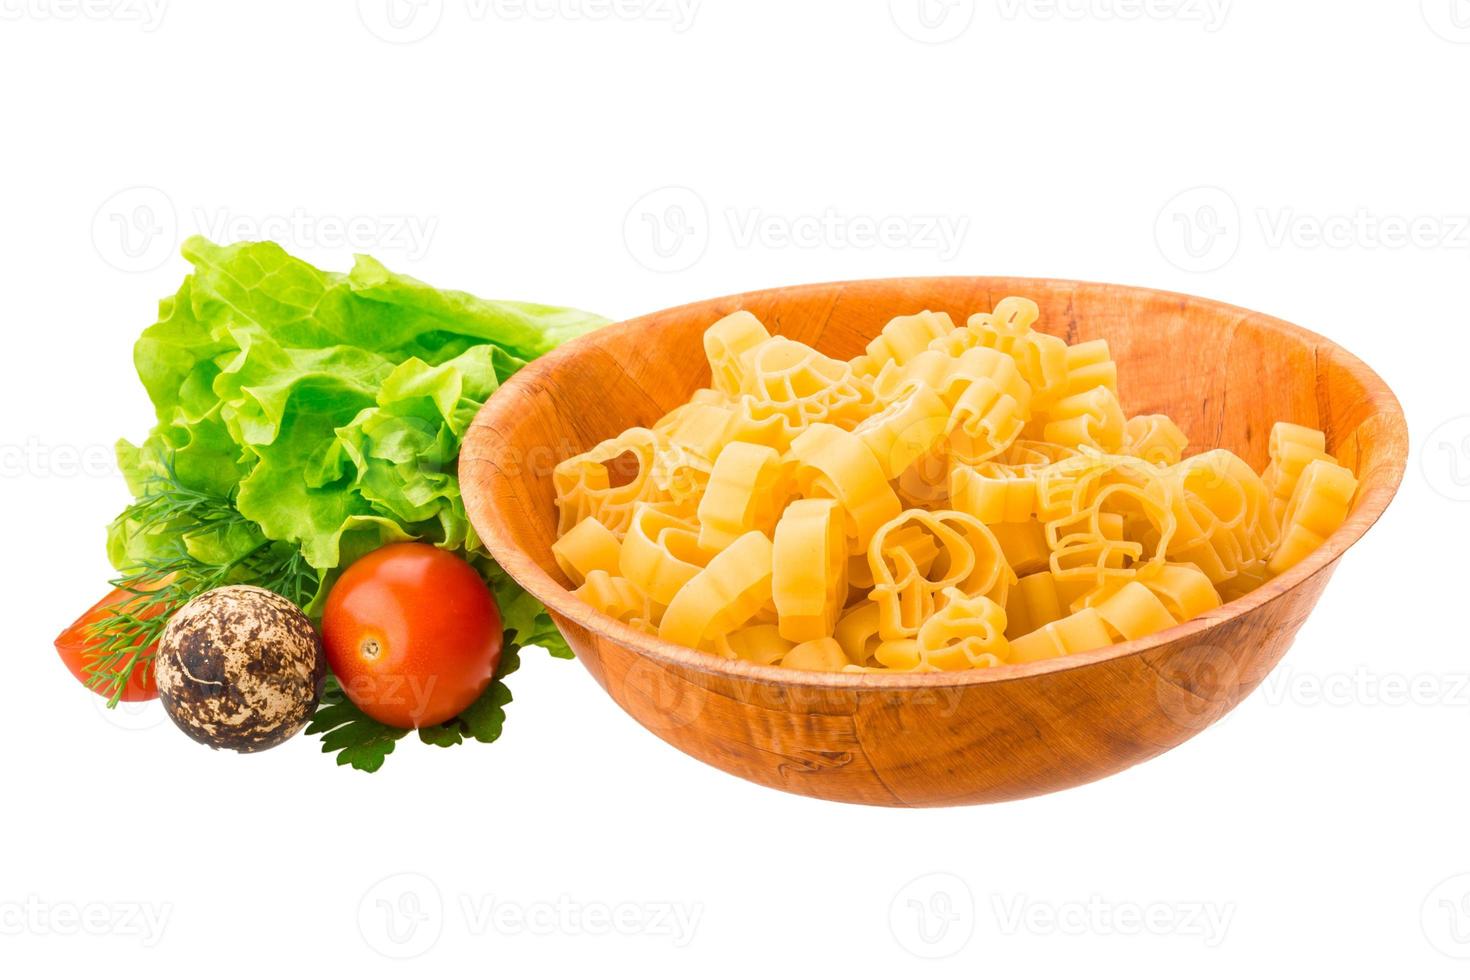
{"points": [[1224, 374]]}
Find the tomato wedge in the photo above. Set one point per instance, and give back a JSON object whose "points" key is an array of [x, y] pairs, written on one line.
{"points": [[81, 650]]}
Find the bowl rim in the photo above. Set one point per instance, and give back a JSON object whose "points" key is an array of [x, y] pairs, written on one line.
{"points": [[559, 599]]}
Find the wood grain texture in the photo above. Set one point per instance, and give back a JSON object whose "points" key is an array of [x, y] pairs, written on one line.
{"points": [[1225, 375]]}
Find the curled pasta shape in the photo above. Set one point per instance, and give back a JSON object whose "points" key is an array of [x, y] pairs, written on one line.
{"points": [[1155, 438], [1105, 517], [1222, 512], [747, 489], [1291, 448], [790, 387], [965, 632], [609, 480], [809, 576], [703, 428], [723, 596], [1034, 602], [1318, 506], [1003, 490], [829, 462], [660, 553], [759, 644], [1083, 630], [912, 425], [615, 596], [857, 632], [968, 559], [586, 548], [904, 337], [1134, 611], [819, 654], [984, 422], [1091, 418], [727, 345]]}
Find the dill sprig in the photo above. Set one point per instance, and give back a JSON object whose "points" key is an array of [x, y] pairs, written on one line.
{"points": [[157, 587]]}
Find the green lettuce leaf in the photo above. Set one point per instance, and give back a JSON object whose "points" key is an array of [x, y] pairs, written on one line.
{"points": [[331, 409]]}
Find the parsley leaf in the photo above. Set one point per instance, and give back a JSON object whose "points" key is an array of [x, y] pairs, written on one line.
{"points": [[359, 741]]}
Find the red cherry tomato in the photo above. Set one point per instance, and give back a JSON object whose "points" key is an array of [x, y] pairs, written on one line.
{"points": [[413, 634], [78, 645]]}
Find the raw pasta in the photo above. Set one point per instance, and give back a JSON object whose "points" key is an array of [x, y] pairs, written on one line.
{"points": [[952, 498]]}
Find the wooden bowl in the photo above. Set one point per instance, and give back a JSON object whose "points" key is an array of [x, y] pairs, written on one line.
{"points": [[1225, 375]]}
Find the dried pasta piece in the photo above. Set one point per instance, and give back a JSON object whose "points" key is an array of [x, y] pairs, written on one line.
{"points": [[906, 336], [1155, 438], [1003, 490], [1034, 602], [1252, 576], [969, 559], [789, 387], [660, 553], [1291, 448], [1134, 611], [727, 343], [722, 596], [984, 422], [1106, 517], [1089, 365], [829, 462], [809, 572], [1024, 545], [1183, 589], [965, 632], [617, 597], [703, 428], [857, 632], [586, 548], [759, 644], [1084, 630], [585, 486], [747, 489], [1091, 418], [912, 424], [1318, 506], [1223, 514], [1041, 358], [819, 654]]}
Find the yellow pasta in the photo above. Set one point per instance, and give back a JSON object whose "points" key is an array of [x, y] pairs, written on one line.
{"points": [[828, 462], [746, 493], [586, 548], [1318, 506], [809, 573], [722, 596], [952, 498], [760, 644]]}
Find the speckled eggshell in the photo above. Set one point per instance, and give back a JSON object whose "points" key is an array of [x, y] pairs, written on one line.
{"points": [[240, 668]]}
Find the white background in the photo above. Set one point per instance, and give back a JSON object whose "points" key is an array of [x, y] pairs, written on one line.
{"points": [[532, 148]]}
